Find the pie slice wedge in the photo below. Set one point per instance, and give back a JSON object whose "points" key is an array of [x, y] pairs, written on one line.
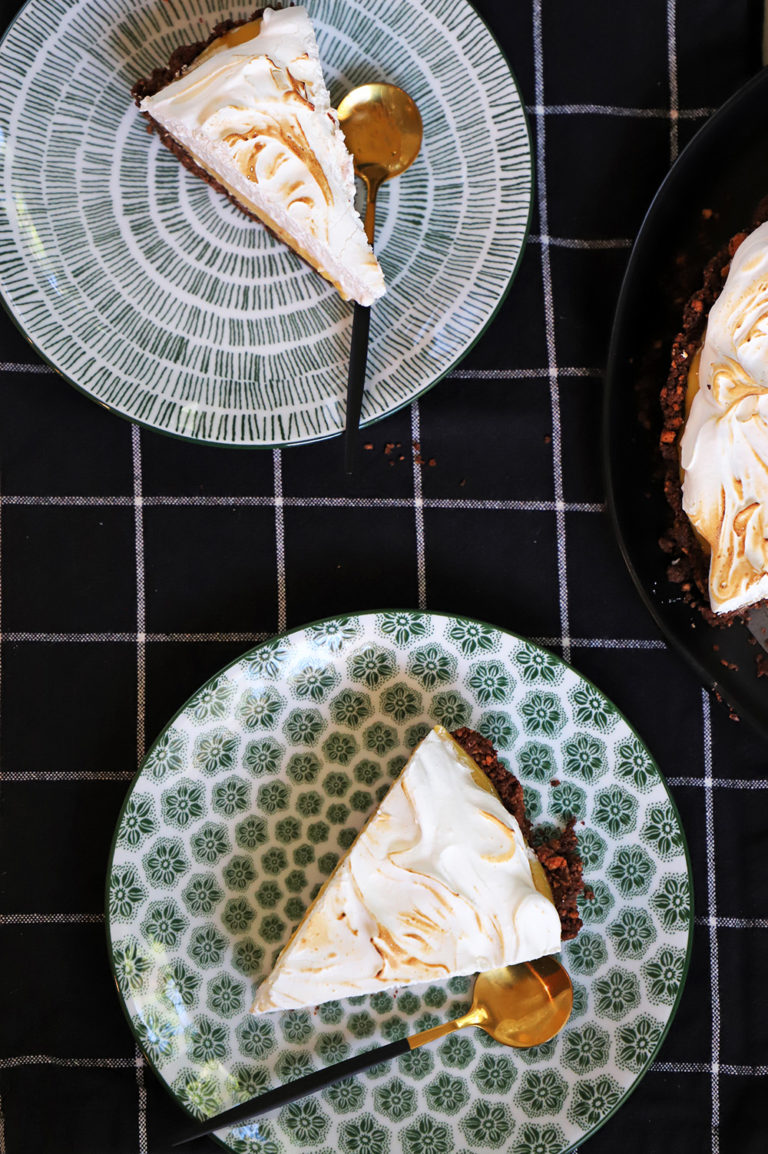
{"points": [[438, 883], [250, 113]]}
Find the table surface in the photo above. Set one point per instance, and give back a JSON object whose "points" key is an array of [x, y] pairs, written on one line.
{"points": [[134, 566]]}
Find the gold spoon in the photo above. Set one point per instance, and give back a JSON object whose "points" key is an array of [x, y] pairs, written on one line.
{"points": [[521, 1006], [382, 128]]}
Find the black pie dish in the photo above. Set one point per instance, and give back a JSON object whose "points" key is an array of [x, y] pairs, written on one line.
{"points": [[710, 193]]}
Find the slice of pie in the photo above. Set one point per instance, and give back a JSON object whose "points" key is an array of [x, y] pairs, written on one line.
{"points": [[248, 111], [439, 882]]}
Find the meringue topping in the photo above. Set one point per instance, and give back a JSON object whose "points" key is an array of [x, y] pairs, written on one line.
{"points": [[254, 112], [438, 883], [724, 448]]}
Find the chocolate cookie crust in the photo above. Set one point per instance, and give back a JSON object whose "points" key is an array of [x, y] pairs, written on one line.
{"points": [[558, 853], [689, 565]]}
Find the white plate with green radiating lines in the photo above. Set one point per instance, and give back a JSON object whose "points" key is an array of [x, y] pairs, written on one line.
{"points": [[154, 295], [243, 806]]}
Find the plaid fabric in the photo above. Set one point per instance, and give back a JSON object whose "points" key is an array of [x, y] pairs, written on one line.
{"points": [[134, 566]]}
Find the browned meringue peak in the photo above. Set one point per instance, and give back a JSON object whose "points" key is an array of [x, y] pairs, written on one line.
{"points": [[724, 448]]}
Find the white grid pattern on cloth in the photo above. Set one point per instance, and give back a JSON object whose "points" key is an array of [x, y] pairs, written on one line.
{"points": [[141, 706], [418, 511], [733, 923], [599, 244], [141, 606], [68, 775], [738, 783], [69, 1063], [549, 328], [674, 101], [706, 1068], [141, 1086], [517, 374], [127, 1063], [25, 367], [616, 110], [49, 919], [714, 961], [719, 783], [253, 638], [315, 502], [455, 374], [1, 685], [282, 604], [67, 638]]}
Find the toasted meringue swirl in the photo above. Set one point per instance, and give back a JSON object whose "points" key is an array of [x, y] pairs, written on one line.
{"points": [[438, 883], [254, 112], [724, 448]]}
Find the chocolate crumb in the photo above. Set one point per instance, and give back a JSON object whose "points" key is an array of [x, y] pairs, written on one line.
{"points": [[559, 857]]}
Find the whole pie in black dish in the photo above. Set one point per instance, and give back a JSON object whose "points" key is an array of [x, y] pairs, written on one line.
{"points": [[711, 194]]}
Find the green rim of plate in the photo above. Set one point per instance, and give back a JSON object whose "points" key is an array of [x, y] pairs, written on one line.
{"points": [[154, 296], [224, 837]]}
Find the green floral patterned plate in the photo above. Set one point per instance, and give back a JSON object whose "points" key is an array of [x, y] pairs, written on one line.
{"points": [[243, 806], [156, 297]]}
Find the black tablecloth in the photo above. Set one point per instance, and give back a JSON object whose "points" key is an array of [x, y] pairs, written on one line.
{"points": [[134, 566]]}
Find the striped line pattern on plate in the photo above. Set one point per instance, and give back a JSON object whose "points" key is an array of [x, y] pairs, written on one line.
{"points": [[154, 295]]}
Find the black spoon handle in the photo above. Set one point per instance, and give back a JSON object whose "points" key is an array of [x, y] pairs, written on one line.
{"points": [[358, 358], [299, 1088]]}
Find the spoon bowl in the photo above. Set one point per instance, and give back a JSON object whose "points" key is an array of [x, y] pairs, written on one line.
{"points": [[525, 1005], [383, 131], [382, 128]]}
